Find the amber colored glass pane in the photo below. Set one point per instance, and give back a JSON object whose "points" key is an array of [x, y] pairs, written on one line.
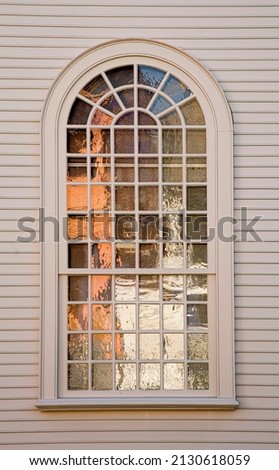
{"points": [[172, 198], [100, 141], [196, 141], [148, 141], [149, 256], [125, 346], [77, 169], [76, 198], [100, 198], [150, 76], [198, 378], [101, 287], [124, 141], [95, 89], [172, 141], [125, 288], [77, 227], [197, 316], [124, 198], [173, 346], [76, 141], [170, 119], [196, 170], [100, 169], [173, 317], [160, 104], [100, 118], [125, 227], [125, 316], [149, 288], [79, 112], [101, 316], [144, 97], [126, 120], [101, 227], [127, 97], [77, 376], [125, 376], [173, 289], [173, 255], [121, 76], [192, 113], [196, 256], [196, 227], [101, 346], [197, 346], [78, 347], [174, 376], [111, 104], [101, 255], [77, 288], [149, 316], [78, 256], [78, 317], [150, 376], [196, 198], [145, 120], [149, 346], [124, 169], [148, 198], [173, 227], [102, 377], [125, 255], [196, 287], [172, 169], [149, 227]]}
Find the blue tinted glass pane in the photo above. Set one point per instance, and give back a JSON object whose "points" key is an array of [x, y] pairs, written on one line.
{"points": [[150, 76], [159, 105], [176, 89]]}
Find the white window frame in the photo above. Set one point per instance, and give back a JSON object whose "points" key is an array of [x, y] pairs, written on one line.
{"points": [[220, 171]]}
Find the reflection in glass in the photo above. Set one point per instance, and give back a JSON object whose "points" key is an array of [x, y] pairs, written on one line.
{"points": [[124, 255], [125, 316], [197, 287], [77, 226], [126, 119], [173, 317], [77, 169], [101, 346], [102, 377], [78, 256], [173, 346], [148, 169], [125, 376], [150, 76], [149, 376], [173, 288], [195, 141], [192, 113], [175, 89], [173, 255], [170, 119], [149, 256], [95, 89], [76, 141], [76, 198], [196, 256], [125, 227], [124, 141], [196, 227], [111, 104], [127, 97], [174, 376], [77, 288], [77, 376], [148, 141], [160, 104], [79, 112], [197, 346], [124, 169], [101, 255], [121, 75], [196, 170], [125, 346], [101, 288], [100, 118], [78, 347], [172, 227], [100, 198], [148, 198], [149, 288], [149, 227], [196, 198], [101, 317], [100, 169], [144, 97], [125, 288], [197, 316], [172, 141], [198, 376], [172, 198], [124, 198], [100, 141], [145, 120], [77, 317], [101, 227], [149, 317], [149, 346]]}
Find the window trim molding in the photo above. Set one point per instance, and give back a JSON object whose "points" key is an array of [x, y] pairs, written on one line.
{"points": [[69, 82]]}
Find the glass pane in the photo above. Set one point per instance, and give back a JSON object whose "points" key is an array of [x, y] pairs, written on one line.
{"points": [[195, 141], [149, 317], [77, 227], [198, 376], [78, 256], [125, 255], [174, 376], [196, 170], [121, 76], [173, 288], [101, 288], [150, 376], [125, 316], [144, 97], [170, 119], [95, 89], [100, 141], [176, 90], [173, 227], [124, 169], [196, 227], [77, 347], [173, 346], [79, 112], [125, 346], [76, 198], [125, 377], [124, 198], [101, 255], [111, 104], [100, 169], [101, 317], [172, 198], [77, 317], [150, 76], [148, 198], [100, 118], [149, 227], [173, 317], [173, 255], [102, 377], [149, 346], [160, 104], [101, 346], [124, 141], [148, 288], [172, 170], [172, 141], [197, 346], [125, 227], [77, 376], [196, 198], [125, 288], [197, 287], [77, 288], [77, 169], [100, 198], [149, 256], [101, 227], [196, 256], [127, 119], [146, 120], [76, 141], [192, 113], [197, 316], [127, 97], [148, 169], [148, 141]]}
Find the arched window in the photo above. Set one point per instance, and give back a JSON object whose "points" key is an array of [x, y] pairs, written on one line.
{"points": [[137, 169]]}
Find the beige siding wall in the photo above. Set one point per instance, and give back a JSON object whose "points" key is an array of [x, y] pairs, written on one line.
{"points": [[238, 40]]}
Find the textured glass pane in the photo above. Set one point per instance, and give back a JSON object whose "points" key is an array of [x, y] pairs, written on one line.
{"points": [[150, 76], [172, 141], [127, 97], [76, 198], [125, 316], [127, 119], [192, 113], [149, 256], [101, 227], [148, 169], [79, 112], [144, 97], [198, 376], [125, 346], [95, 89], [77, 376], [173, 288], [77, 227], [173, 255], [196, 170], [148, 198], [148, 288], [148, 141], [196, 198], [197, 346], [195, 141], [145, 120], [173, 317], [101, 288], [149, 346], [101, 255], [176, 89], [173, 346], [100, 198], [149, 227], [125, 377], [170, 119], [196, 256], [121, 76], [111, 104], [172, 173], [101, 317], [101, 346], [196, 287], [197, 316], [100, 118], [174, 376], [124, 141], [77, 169], [173, 227], [149, 317], [77, 317], [78, 256], [125, 227], [150, 376], [77, 288], [172, 198], [100, 169], [196, 227], [125, 288], [100, 141], [124, 255], [124, 169], [78, 347], [102, 377], [124, 198], [76, 141], [160, 104]]}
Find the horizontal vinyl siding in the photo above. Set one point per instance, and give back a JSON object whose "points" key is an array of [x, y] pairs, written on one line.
{"points": [[238, 41]]}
